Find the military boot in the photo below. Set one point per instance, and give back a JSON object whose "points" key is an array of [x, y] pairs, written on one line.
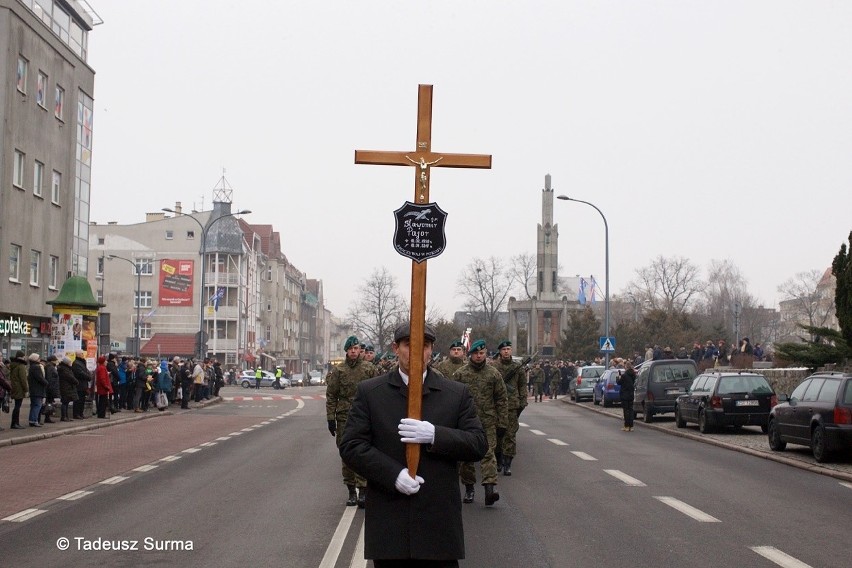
{"points": [[468, 493], [362, 497], [499, 458], [353, 499], [507, 465], [491, 496]]}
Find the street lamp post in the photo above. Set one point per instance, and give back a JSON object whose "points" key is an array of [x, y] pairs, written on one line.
{"points": [[606, 254], [200, 343], [138, 296]]}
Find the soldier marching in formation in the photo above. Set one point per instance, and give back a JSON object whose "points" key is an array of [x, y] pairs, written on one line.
{"points": [[454, 362], [489, 394], [341, 383], [537, 378], [515, 379]]}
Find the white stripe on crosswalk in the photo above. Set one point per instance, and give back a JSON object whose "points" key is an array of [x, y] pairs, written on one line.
{"points": [[557, 442], [588, 458], [687, 510], [621, 476], [780, 558]]}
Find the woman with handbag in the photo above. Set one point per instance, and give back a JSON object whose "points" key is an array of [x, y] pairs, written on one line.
{"points": [[103, 386]]}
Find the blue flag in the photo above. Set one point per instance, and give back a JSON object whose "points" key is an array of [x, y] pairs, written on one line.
{"points": [[581, 296]]}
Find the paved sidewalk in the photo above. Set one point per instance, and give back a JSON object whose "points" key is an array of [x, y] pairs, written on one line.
{"points": [[9, 437], [748, 440]]}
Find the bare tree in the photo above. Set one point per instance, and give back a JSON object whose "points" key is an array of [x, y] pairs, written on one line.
{"points": [[484, 285], [522, 273], [379, 310], [807, 300], [667, 284]]}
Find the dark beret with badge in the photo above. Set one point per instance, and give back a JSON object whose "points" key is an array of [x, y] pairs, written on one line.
{"points": [[504, 343], [351, 341], [456, 344], [478, 345]]}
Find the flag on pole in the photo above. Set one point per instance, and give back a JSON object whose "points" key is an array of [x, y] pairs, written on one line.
{"points": [[465, 339], [220, 293], [581, 295], [595, 289]]}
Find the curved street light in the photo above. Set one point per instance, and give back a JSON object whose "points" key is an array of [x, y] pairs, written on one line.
{"points": [[204, 231], [606, 253]]}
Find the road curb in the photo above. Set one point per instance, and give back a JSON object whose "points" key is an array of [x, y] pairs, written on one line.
{"points": [[727, 445]]}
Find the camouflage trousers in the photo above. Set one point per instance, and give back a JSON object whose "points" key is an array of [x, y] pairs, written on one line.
{"points": [[510, 447], [488, 465], [539, 389], [554, 387], [349, 476]]}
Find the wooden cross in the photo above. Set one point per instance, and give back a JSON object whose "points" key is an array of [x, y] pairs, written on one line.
{"points": [[423, 160]]}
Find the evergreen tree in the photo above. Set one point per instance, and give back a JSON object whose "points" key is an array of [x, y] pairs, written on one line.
{"points": [[827, 346], [581, 339], [841, 267]]}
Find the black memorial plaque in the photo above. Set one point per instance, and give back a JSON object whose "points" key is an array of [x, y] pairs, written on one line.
{"points": [[419, 233]]}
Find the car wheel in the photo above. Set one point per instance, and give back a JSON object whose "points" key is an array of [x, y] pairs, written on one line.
{"points": [[276, 385], [818, 446], [703, 425], [647, 414], [681, 423], [605, 402], [776, 444], [245, 384], [595, 400], [764, 428]]}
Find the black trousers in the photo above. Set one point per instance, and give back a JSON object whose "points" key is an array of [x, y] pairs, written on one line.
{"points": [[627, 409], [16, 412], [103, 400], [415, 563], [185, 386]]}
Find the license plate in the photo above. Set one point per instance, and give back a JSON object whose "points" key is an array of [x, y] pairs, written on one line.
{"points": [[748, 403], [675, 391]]}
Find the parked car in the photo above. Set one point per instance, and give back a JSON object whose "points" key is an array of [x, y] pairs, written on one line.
{"points": [[583, 387], [607, 391], [726, 399], [247, 380], [817, 414], [297, 379], [317, 378], [587, 372], [659, 383]]}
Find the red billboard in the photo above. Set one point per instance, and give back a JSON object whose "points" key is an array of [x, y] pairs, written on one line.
{"points": [[176, 282]]}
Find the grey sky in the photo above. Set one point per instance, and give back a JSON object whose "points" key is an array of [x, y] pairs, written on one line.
{"points": [[705, 129]]}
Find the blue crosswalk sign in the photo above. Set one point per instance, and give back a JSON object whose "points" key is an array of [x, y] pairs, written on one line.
{"points": [[607, 344]]}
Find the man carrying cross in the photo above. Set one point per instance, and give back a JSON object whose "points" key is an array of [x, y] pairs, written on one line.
{"points": [[426, 523]]}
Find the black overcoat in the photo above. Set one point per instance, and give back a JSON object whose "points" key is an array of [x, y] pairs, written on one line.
{"points": [[428, 524]]}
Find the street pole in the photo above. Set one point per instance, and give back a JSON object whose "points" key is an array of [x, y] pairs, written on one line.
{"points": [[138, 269], [606, 255]]}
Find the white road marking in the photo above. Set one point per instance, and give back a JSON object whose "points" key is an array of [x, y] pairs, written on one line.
{"points": [[24, 515], [588, 458], [358, 560], [266, 398], [249, 429], [113, 480], [191, 450], [620, 475], [208, 444], [223, 438], [780, 558], [846, 484], [523, 425], [235, 434], [170, 458], [687, 510], [538, 432], [329, 560], [146, 467], [74, 495], [557, 442]]}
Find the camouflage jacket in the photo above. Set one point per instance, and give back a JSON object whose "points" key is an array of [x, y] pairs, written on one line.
{"points": [[447, 367], [341, 383], [516, 383], [489, 393], [537, 376]]}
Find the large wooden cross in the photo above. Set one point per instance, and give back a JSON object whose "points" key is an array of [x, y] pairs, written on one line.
{"points": [[423, 160]]}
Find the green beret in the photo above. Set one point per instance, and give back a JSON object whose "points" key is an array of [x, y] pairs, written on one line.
{"points": [[351, 341], [456, 344], [477, 345], [504, 343], [369, 348]]}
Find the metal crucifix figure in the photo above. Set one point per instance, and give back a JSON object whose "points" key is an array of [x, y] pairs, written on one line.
{"points": [[424, 160]]}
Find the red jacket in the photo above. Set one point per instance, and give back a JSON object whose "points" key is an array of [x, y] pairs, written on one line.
{"points": [[102, 382]]}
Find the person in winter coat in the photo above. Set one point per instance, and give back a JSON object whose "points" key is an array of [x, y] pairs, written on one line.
{"points": [[627, 382], [112, 368], [123, 389], [103, 386], [38, 387], [52, 376], [5, 385], [67, 387], [20, 388], [164, 382], [84, 377]]}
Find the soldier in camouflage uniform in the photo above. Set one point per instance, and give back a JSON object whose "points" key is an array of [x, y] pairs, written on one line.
{"points": [[537, 378], [515, 379], [489, 394], [370, 357], [454, 362], [341, 383], [555, 379]]}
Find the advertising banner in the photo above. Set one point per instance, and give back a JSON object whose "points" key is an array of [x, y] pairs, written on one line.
{"points": [[176, 282]]}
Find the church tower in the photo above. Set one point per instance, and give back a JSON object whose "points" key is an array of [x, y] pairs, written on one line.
{"points": [[547, 258]]}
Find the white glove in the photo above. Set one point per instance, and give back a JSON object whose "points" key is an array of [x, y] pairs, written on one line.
{"points": [[416, 431], [406, 485]]}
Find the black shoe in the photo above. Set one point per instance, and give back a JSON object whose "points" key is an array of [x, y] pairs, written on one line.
{"points": [[362, 497], [17, 427], [468, 494], [491, 496], [507, 465], [499, 459], [353, 499]]}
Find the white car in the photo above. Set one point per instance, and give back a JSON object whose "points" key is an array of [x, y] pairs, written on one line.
{"points": [[247, 380]]}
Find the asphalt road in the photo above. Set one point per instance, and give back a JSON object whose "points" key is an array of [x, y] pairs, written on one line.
{"points": [[583, 493]]}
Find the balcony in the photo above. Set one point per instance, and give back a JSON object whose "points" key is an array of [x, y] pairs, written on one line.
{"points": [[220, 345], [228, 279], [223, 313]]}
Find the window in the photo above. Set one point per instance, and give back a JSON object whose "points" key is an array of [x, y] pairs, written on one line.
{"points": [[269, 273], [14, 262], [170, 235], [41, 90], [18, 169], [100, 295], [23, 65], [35, 266], [190, 235], [143, 266], [59, 103], [828, 393], [146, 299], [53, 272], [813, 390], [55, 187], [145, 330], [101, 240], [100, 266], [799, 391], [38, 178], [269, 333]]}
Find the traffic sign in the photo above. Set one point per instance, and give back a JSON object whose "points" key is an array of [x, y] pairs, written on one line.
{"points": [[607, 344]]}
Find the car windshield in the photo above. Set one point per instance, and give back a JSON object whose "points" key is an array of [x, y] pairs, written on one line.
{"points": [[587, 383], [672, 373], [753, 384], [592, 372], [847, 399]]}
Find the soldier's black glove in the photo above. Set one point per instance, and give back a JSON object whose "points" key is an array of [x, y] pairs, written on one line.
{"points": [[332, 427], [500, 432], [520, 409]]}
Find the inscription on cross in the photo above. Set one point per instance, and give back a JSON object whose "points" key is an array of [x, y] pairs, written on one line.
{"points": [[423, 159]]}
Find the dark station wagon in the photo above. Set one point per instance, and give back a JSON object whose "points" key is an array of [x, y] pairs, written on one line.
{"points": [[726, 399]]}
